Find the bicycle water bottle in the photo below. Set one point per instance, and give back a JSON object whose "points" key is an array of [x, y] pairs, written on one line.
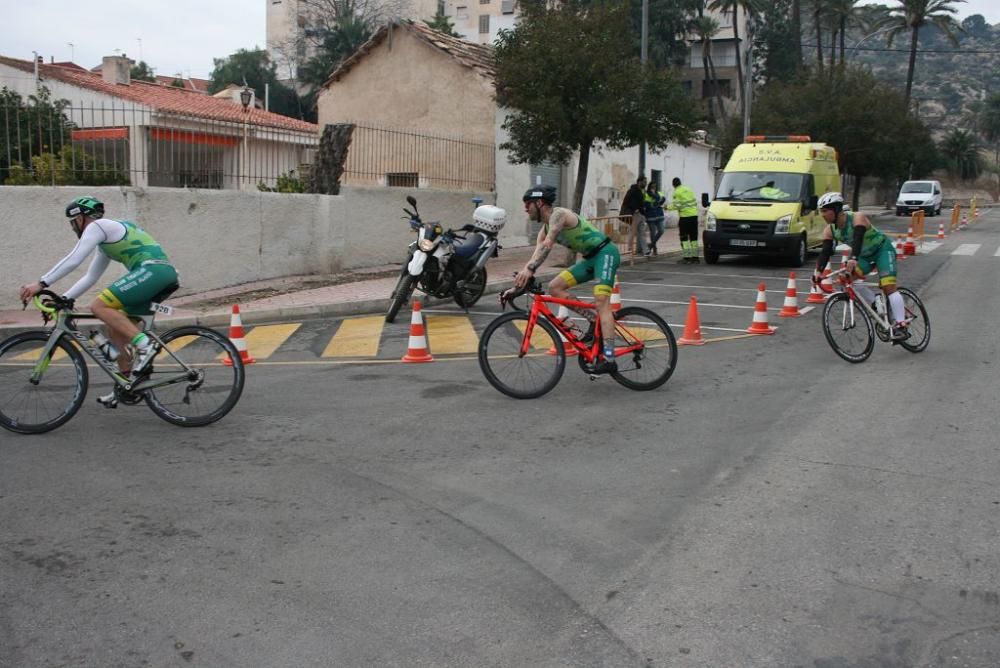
{"points": [[104, 345]]}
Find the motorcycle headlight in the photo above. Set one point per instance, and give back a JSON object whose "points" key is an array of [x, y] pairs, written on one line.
{"points": [[710, 222], [426, 245], [782, 224]]}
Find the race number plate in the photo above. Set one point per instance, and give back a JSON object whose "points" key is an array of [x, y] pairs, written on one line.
{"points": [[161, 309]]}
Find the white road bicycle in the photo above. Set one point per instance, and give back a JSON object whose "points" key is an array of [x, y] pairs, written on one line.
{"points": [[195, 378], [851, 323]]}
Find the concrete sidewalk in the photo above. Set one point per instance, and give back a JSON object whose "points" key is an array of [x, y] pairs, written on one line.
{"points": [[359, 291]]}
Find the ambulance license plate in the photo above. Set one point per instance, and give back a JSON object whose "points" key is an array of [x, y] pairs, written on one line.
{"points": [[744, 242]]}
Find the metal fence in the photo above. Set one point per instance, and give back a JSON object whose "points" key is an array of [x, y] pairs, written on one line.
{"points": [[394, 157], [46, 142], [61, 144]]}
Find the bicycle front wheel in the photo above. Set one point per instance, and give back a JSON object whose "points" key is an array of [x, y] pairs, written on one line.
{"points": [[39, 395], [527, 375], [653, 357], [919, 324], [196, 378], [848, 328]]}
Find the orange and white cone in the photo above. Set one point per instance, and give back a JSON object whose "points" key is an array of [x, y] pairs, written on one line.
{"points": [[816, 295], [759, 324], [909, 248], [563, 314], [616, 297], [416, 350], [238, 338], [964, 223], [692, 327], [790, 309], [940, 230], [900, 254]]}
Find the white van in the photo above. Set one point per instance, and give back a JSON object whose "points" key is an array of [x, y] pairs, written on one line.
{"points": [[919, 195]]}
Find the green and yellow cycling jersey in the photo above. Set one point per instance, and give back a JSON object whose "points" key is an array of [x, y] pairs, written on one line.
{"points": [[136, 247], [873, 237], [583, 238]]}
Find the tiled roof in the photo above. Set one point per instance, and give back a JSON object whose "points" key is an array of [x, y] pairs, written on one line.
{"points": [[478, 57], [200, 85], [165, 98]]}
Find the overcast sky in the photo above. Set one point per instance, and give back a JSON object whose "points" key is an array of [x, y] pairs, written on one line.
{"points": [[173, 36]]}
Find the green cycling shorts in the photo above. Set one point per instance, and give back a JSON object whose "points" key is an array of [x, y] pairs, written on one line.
{"points": [[884, 259], [601, 267], [133, 292]]}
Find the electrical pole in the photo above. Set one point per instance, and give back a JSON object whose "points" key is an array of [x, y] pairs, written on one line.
{"points": [[643, 57]]}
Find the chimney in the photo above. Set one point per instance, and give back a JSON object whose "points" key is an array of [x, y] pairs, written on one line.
{"points": [[115, 70]]}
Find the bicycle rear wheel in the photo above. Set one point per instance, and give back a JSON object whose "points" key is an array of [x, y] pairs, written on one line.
{"points": [[848, 328], [920, 324], [521, 376], [652, 364], [209, 388], [28, 407]]}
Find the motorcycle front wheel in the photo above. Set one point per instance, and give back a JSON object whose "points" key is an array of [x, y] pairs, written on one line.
{"points": [[472, 290], [401, 295]]}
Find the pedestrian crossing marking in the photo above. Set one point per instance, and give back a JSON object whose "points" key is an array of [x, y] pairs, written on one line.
{"points": [[928, 246], [263, 340], [966, 249], [451, 334], [357, 337]]}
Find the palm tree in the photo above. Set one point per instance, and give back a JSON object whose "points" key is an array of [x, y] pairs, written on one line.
{"points": [[962, 151], [733, 7], [819, 6], [706, 28], [797, 30], [910, 16], [989, 126], [843, 14]]}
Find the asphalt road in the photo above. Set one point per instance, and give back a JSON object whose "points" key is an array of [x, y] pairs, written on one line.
{"points": [[772, 505]]}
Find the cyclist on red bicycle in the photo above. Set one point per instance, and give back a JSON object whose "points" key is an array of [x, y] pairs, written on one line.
{"points": [[869, 248], [600, 258]]}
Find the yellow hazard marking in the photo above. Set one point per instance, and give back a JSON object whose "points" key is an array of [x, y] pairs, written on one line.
{"points": [[447, 334], [263, 340], [177, 344], [539, 337], [642, 333], [35, 354], [357, 337]]}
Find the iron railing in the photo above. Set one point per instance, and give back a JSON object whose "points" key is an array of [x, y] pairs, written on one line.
{"points": [[395, 157]]}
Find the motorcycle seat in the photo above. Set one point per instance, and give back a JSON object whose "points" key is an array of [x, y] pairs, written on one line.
{"points": [[467, 247]]}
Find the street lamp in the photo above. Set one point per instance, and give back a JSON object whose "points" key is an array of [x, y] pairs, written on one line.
{"points": [[854, 49], [245, 96]]}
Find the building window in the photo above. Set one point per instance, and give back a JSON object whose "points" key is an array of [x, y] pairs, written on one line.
{"points": [[462, 13], [724, 88], [402, 179], [656, 176], [507, 6], [440, 7], [484, 2], [484, 24]]}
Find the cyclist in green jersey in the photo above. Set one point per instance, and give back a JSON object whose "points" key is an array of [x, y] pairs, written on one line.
{"points": [[600, 257], [150, 277], [870, 248]]}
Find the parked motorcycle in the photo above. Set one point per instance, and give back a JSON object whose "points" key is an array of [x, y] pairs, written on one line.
{"points": [[448, 263]]}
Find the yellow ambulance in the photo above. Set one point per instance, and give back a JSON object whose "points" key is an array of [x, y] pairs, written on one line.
{"points": [[766, 202]]}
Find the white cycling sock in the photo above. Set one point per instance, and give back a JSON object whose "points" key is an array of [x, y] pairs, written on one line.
{"points": [[898, 307]]}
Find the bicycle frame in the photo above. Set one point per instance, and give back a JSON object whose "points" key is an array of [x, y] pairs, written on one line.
{"points": [[64, 326], [589, 353], [879, 319]]}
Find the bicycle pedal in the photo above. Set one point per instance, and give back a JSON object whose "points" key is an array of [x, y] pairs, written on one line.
{"points": [[107, 403]]}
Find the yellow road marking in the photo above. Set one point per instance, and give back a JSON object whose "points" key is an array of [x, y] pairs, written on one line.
{"points": [[448, 334], [34, 355], [263, 340], [539, 338], [357, 337]]}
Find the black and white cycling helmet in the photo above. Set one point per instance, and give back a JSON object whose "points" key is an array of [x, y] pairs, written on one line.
{"points": [[88, 206], [545, 193], [832, 200]]}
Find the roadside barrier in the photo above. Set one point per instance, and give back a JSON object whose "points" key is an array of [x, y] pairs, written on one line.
{"points": [[790, 309], [237, 336], [616, 297], [692, 326], [563, 314], [417, 348], [759, 324], [956, 212], [622, 232]]}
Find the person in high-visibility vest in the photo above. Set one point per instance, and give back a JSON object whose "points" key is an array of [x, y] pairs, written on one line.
{"points": [[686, 206]]}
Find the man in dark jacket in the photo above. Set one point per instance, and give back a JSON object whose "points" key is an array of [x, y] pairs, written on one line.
{"points": [[632, 206]]}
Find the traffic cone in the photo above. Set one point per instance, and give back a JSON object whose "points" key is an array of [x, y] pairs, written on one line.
{"points": [[692, 327], [417, 349], [616, 297], [826, 285], [816, 295], [759, 324], [563, 314], [900, 255], [909, 248], [237, 337], [790, 309], [940, 230], [964, 223]]}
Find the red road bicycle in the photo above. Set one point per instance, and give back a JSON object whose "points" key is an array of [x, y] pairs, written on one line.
{"points": [[851, 324], [522, 355]]}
